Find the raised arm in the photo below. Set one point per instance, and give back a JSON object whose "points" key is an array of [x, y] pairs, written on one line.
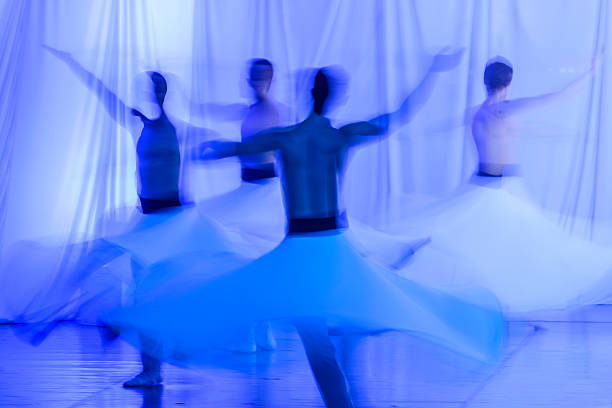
{"points": [[378, 127], [117, 110], [515, 106]]}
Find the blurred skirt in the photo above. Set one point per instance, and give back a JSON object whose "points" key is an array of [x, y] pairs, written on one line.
{"points": [[317, 275], [492, 236]]}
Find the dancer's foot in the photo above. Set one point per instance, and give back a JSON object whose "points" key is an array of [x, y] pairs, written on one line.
{"points": [[264, 338], [144, 379]]}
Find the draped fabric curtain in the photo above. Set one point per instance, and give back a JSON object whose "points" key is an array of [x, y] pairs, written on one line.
{"points": [[14, 18], [66, 168]]}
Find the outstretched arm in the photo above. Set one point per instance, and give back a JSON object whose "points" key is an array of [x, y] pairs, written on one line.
{"points": [[362, 132], [519, 105], [229, 113], [265, 141], [113, 105], [191, 134]]}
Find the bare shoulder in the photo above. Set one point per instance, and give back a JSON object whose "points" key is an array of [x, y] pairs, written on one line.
{"points": [[282, 135], [481, 117], [491, 110], [360, 128]]}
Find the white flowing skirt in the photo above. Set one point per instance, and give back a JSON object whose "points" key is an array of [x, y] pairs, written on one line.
{"points": [[315, 275], [490, 235], [51, 281]]}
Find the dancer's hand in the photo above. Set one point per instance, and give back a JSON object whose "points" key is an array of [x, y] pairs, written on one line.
{"points": [[216, 149], [114, 106], [447, 59]]}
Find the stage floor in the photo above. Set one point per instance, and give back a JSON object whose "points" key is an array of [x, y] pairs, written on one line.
{"points": [[559, 360]]}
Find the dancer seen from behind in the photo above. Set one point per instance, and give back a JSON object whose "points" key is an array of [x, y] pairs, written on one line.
{"points": [[167, 229], [490, 234]]}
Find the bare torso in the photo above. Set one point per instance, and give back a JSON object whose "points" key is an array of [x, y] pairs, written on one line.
{"points": [[261, 116], [310, 153], [491, 131]]}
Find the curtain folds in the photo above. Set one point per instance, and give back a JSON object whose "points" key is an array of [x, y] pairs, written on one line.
{"points": [[67, 169]]}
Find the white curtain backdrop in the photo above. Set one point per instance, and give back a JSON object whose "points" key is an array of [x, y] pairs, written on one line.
{"points": [[66, 167]]}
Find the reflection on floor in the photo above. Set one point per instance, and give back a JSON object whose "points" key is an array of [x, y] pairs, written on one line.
{"points": [[555, 360]]}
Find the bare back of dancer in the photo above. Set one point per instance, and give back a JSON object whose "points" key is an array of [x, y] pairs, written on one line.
{"points": [[492, 124]]}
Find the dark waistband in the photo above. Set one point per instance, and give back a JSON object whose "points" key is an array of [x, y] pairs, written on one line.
{"points": [[250, 174], [506, 170], [150, 205], [485, 174], [319, 224]]}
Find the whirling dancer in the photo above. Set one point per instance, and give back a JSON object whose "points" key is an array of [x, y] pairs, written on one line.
{"points": [[260, 184], [315, 278], [490, 234], [256, 206], [164, 229]]}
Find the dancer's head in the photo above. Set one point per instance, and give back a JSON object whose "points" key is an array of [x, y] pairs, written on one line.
{"points": [[260, 77], [329, 88], [320, 91], [160, 86], [498, 74]]}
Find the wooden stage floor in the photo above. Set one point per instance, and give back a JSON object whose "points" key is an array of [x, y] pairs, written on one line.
{"points": [[556, 360]]}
